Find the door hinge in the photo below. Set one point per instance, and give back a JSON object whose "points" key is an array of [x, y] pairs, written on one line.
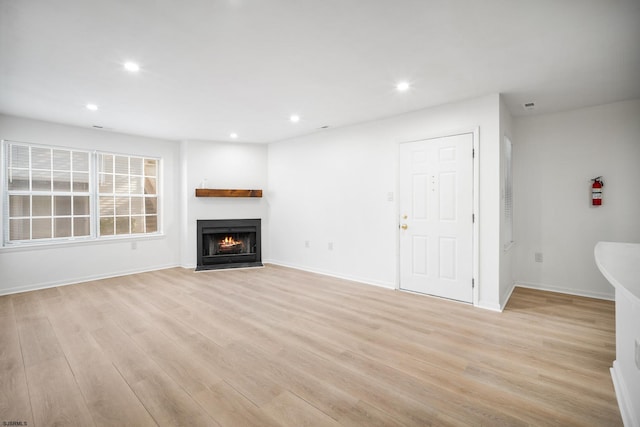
{"points": [[473, 218], [473, 283], [473, 153]]}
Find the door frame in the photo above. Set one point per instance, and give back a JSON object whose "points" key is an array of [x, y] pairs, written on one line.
{"points": [[475, 132]]}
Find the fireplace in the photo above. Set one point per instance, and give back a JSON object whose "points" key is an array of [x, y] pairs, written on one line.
{"points": [[228, 243]]}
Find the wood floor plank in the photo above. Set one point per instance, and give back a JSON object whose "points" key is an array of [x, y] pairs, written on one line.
{"points": [[38, 341], [167, 402], [292, 411], [230, 408], [14, 393], [109, 399], [192, 374], [55, 397], [277, 346]]}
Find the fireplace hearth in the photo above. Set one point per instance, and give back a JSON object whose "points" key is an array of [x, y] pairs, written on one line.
{"points": [[228, 243]]}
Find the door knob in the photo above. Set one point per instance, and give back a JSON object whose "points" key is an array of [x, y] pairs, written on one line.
{"points": [[404, 226]]}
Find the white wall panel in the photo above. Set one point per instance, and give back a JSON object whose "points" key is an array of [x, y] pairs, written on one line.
{"points": [[554, 158], [34, 267], [333, 187]]}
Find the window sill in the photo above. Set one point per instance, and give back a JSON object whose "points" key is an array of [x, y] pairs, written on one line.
{"points": [[23, 247]]}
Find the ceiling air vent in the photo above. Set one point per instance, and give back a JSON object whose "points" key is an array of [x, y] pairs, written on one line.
{"points": [[529, 106]]}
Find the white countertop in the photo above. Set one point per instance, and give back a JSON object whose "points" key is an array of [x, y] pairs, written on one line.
{"points": [[620, 264]]}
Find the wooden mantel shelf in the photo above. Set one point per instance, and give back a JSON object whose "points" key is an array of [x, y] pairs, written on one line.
{"points": [[211, 192]]}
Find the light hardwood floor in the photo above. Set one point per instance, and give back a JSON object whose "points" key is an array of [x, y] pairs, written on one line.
{"points": [[275, 346]]}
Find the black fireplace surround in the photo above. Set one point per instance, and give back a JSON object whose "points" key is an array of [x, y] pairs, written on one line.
{"points": [[228, 243]]}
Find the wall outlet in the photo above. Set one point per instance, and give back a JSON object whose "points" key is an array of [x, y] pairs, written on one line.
{"points": [[638, 354], [390, 196], [538, 257], [330, 246], [306, 244]]}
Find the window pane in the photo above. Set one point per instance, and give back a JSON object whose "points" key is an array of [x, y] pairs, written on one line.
{"points": [[106, 226], [62, 227], [152, 223], [106, 183], [81, 226], [81, 205], [80, 161], [19, 229], [149, 186], [151, 205], [41, 206], [135, 164], [105, 163], [19, 156], [122, 225], [122, 184], [136, 185], [106, 206], [137, 224], [150, 167], [122, 206], [62, 181], [80, 181], [40, 158], [41, 180], [18, 180], [137, 206], [122, 165], [19, 206], [62, 160], [41, 228], [61, 205]]}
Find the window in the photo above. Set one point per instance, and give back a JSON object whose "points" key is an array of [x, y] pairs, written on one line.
{"points": [[128, 197], [50, 194]]}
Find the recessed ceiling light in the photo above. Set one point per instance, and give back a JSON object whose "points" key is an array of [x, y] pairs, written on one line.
{"points": [[233, 135], [402, 86], [92, 107], [131, 66], [294, 118]]}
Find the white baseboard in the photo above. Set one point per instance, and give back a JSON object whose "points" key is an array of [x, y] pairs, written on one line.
{"points": [[569, 291], [624, 400], [506, 299], [489, 306], [56, 283], [330, 274]]}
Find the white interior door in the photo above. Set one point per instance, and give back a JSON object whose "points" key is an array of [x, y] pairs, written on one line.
{"points": [[436, 225]]}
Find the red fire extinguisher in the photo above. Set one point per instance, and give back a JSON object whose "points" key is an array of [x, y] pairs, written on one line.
{"points": [[596, 191]]}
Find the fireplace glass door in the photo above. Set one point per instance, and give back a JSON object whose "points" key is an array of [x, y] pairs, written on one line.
{"points": [[228, 244]]}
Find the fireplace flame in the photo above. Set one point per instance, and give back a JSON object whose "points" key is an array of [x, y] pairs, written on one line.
{"points": [[230, 245]]}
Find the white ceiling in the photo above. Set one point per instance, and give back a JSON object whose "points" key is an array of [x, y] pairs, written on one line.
{"points": [[211, 67]]}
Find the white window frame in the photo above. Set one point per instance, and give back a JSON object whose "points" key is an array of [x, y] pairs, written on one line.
{"points": [[128, 195], [93, 192]]}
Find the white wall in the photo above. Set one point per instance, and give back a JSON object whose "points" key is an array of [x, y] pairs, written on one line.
{"points": [[332, 186], [43, 266], [224, 166], [555, 156]]}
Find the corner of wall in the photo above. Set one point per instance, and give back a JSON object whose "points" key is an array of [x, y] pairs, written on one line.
{"points": [[184, 203]]}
